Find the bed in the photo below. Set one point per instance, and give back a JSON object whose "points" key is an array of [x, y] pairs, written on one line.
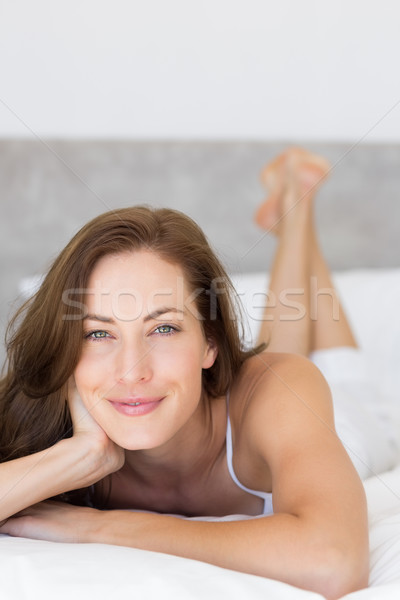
{"points": [[33, 569]]}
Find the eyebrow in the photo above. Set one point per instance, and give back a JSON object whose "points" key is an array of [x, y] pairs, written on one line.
{"points": [[149, 317]]}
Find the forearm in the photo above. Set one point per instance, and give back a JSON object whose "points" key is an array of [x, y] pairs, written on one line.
{"points": [[25, 481], [282, 547], [239, 545]]}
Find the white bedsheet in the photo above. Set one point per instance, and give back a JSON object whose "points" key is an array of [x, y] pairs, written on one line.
{"points": [[39, 570], [47, 571]]}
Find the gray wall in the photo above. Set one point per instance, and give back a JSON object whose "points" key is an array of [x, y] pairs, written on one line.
{"points": [[50, 188]]}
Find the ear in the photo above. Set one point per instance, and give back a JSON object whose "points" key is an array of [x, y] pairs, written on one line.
{"points": [[210, 354]]}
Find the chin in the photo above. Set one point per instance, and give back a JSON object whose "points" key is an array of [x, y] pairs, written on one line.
{"points": [[135, 442]]}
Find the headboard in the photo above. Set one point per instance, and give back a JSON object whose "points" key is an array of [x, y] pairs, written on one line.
{"points": [[50, 188]]}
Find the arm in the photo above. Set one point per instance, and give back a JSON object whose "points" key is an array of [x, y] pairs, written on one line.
{"points": [[317, 538], [72, 463]]}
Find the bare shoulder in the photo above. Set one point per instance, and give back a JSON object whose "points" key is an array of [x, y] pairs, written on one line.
{"points": [[281, 397], [287, 444], [287, 438], [273, 378]]}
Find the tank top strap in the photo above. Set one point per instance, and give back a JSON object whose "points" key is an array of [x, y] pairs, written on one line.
{"points": [[267, 497]]}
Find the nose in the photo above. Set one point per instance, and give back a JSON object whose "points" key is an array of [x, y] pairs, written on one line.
{"points": [[133, 363]]}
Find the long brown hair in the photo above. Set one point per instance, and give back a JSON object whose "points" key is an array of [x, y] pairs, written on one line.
{"points": [[45, 336]]}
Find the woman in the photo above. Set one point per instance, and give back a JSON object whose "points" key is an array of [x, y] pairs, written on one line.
{"points": [[127, 383]]}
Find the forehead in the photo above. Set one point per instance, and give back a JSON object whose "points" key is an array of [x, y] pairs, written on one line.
{"points": [[135, 268], [132, 281]]}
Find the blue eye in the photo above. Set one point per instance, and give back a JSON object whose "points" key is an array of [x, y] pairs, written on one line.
{"points": [[165, 329], [98, 334]]}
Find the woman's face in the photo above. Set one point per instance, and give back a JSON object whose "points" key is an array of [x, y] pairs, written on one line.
{"points": [[144, 349]]}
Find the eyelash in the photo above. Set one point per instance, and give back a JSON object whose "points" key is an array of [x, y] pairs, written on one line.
{"points": [[171, 332], [90, 334]]}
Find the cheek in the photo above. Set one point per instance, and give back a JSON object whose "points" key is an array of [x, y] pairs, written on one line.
{"points": [[187, 366], [183, 363], [89, 376]]}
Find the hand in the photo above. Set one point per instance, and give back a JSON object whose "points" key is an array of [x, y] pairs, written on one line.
{"points": [[111, 457], [53, 521]]}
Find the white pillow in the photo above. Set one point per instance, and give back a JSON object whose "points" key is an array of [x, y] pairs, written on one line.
{"points": [[371, 299]]}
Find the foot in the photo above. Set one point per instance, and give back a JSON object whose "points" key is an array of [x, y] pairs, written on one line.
{"points": [[293, 176], [268, 213]]}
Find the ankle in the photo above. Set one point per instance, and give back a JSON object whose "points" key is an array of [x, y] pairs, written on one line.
{"points": [[298, 216]]}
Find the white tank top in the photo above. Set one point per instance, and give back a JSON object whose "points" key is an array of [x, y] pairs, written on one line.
{"points": [[266, 496]]}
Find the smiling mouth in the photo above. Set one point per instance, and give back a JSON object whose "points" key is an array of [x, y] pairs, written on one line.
{"points": [[134, 402], [132, 408]]}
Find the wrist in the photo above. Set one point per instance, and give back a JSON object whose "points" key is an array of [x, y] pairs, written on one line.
{"points": [[83, 466]]}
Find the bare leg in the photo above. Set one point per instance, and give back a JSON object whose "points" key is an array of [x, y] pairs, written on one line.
{"points": [[330, 327], [303, 313], [318, 321]]}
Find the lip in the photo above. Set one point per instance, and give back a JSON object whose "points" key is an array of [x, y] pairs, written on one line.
{"points": [[130, 407]]}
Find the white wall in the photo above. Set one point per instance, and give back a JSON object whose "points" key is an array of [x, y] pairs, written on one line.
{"points": [[232, 69]]}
